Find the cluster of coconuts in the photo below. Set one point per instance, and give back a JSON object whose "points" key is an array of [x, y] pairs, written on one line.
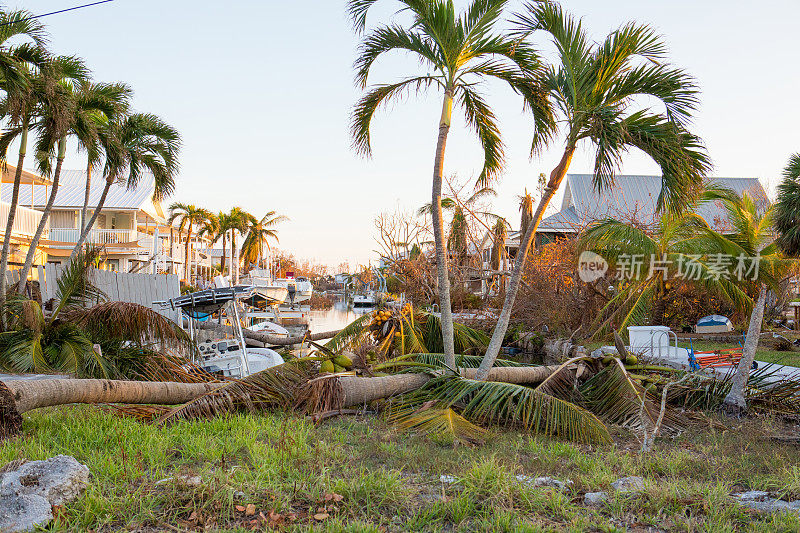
{"points": [[630, 360], [336, 363]]}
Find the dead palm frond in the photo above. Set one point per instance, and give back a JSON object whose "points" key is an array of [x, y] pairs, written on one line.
{"points": [[616, 397], [442, 423], [276, 387], [134, 323]]}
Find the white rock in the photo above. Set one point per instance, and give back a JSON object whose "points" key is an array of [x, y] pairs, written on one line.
{"points": [[545, 481], [595, 498], [628, 484], [771, 505], [24, 512], [751, 495], [59, 479], [447, 478]]}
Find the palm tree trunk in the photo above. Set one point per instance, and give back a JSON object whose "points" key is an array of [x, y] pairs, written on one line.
{"points": [[359, 390], [438, 233], [23, 277], [224, 253], [12, 213], [556, 177], [186, 267], [86, 194], [90, 223], [734, 403], [20, 396]]}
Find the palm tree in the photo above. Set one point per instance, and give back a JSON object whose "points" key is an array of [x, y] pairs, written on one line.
{"points": [[239, 221], [459, 51], [219, 230], [526, 212], [591, 94], [57, 118], [787, 209], [135, 144], [16, 72], [678, 248], [457, 237], [258, 235], [98, 104], [752, 237], [188, 216]]}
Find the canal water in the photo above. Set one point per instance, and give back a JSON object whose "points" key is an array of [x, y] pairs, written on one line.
{"points": [[336, 317]]}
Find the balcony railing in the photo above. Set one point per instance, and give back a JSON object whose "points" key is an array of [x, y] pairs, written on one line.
{"points": [[26, 220], [96, 236]]}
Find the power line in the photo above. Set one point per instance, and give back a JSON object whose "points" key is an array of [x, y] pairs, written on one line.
{"points": [[56, 12]]}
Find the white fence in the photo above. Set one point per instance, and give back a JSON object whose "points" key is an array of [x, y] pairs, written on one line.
{"points": [[142, 289]]}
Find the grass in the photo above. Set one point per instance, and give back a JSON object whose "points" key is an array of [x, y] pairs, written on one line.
{"points": [[289, 470]]}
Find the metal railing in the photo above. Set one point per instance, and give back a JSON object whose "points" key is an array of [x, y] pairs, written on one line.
{"points": [[26, 220], [96, 236]]}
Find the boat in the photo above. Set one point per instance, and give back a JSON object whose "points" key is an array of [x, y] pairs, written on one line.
{"points": [[226, 357], [270, 328], [223, 357], [298, 289], [263, 285], [364, 300]]}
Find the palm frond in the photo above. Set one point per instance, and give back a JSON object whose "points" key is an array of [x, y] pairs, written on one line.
{"points": [[506, 403], [441, 423], [614, 395], [274, 388]]}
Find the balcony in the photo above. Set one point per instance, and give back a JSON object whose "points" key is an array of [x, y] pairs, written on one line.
{"points": [[96, 236], [26, 220]]}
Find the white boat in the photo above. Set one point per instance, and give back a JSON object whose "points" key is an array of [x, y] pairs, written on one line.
{"points": [[299, 289], [364, 300], [270, 328], [224, 357], [263, 285]]}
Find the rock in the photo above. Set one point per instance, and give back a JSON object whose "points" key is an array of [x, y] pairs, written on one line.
{"points": [[771, 505], [628, 484], [28, 493], [447, 478], [59, 479], [24, 512], [595, 498], [544, 482], [751, 495]]}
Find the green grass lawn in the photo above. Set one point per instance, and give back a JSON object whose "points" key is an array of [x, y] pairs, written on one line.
{"points": [[284, 467]]}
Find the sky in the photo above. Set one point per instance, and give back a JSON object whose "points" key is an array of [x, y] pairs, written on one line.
{"points": [[261, 92]]}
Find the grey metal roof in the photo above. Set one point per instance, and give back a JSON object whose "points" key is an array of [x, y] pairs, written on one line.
{"points": [[72, 187], [632, 197]]}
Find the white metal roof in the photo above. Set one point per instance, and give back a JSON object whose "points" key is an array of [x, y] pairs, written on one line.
{"points": [[632, 197]]}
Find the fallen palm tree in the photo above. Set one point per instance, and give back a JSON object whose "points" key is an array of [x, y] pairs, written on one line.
{"points": [[20, 396]]}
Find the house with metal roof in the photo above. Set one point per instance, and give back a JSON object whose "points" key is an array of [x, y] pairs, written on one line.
{"points": [[131, 227], [632, 198]]}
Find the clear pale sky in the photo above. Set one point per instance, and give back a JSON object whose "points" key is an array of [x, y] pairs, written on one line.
{"points": [[262, 90]]}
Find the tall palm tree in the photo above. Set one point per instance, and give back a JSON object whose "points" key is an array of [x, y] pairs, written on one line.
{"points": [[98, 104], [135, 144], [603, 94], [787, 209], [239, 221], [57, 119], [21, 98], [258, 236], [459, 52], [219, 230], [188, 216]]}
